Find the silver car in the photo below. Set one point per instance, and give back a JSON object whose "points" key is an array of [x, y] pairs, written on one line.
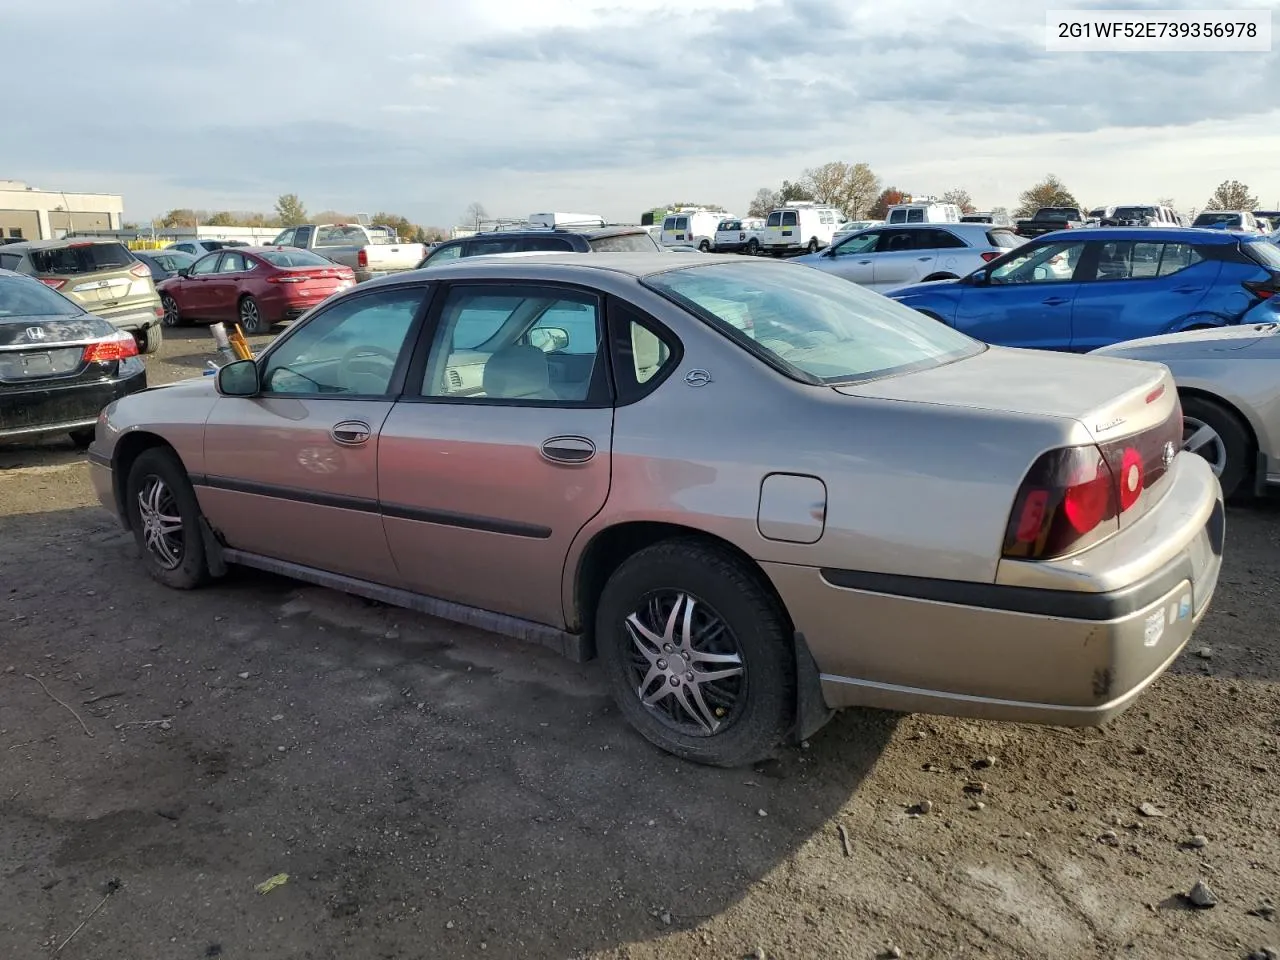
{"points": [[756, 492], [896, 255], [1231, 408]]}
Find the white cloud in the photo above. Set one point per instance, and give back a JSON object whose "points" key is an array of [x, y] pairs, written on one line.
{"points": [[587, 104]]}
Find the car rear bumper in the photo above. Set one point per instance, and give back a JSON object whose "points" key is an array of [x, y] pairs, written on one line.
{"points": [[133, 319], [1074, 656], [35, 413]]}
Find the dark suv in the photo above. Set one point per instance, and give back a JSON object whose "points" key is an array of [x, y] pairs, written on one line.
{"points": [[532, 239]]}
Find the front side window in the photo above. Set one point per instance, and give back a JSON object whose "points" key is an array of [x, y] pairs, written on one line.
{"points": [[441, 254], [858, 243], [811, 325], [205, 265], [350, 349], [1039, 263], [516, 343]]}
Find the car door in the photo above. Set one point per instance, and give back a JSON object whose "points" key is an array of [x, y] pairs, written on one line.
{"points": [[292, 473], [852, 258], [192, 292], [490, 467], [222, 288], [1026, 301], [940, 251], [897, 260], [1135, 289]]}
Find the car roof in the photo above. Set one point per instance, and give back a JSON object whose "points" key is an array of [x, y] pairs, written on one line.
{"points": [[568, 266], [1185, 234]]}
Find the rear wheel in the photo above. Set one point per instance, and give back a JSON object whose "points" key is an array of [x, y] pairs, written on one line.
{"points": [[172, 315], [251, 319], [164, 516], [813, 245], [149, 340], [704, 246], [697, 653], [1215, 433]]}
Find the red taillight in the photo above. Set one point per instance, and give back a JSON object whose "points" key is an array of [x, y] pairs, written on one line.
{"points": [[56, 284], [990, 255], [140, 270], [362, 257], [116, 347], [282, 278]]}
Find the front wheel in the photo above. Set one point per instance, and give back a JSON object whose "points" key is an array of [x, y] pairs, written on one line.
{"points": [[697, 653], [753, 247], [164, 516], [1215, 433], [251, 319]]}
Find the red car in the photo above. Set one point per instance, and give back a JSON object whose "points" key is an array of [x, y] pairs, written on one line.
{"points": [[256, 287]]}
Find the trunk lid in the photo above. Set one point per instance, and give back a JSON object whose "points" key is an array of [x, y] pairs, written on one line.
{"points": [[44, 348]]}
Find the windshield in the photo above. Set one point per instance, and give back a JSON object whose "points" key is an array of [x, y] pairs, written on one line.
{"points": [[295, 258], [1134, 213], [20, 297], [624, 243], [813, 326], [1058, 213]]}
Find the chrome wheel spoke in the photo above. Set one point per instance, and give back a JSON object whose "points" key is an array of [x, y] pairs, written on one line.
{"points": [[690, 699], [703, 656], [645, 640], [711, 676], [161, 527]]}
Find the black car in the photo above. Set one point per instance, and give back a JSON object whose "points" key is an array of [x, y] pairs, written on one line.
{"points": [[59, 366], [616, 239], [164, 264]]}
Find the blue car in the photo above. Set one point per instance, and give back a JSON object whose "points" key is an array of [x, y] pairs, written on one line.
{"points": [[1082, 289]]}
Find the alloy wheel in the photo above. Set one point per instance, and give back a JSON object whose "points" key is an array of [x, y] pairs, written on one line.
{"points": [[1204, 441], [161, 523], [171, 317], [250, 316], [686, 664]]}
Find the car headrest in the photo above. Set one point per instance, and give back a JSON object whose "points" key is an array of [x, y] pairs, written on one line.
{"points": [[518, 372]]}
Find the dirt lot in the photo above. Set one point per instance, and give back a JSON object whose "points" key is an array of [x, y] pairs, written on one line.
{"points": [[433, 791]]}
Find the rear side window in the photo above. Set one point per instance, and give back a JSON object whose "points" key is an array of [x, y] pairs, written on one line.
{"points": [[89, 258], [1177, 256], [10, 261], [939, 240], [546, 244], [624, 243], [1004, 239]]}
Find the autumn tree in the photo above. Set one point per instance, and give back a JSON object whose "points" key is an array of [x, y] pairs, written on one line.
{"points": [[888, 197], [960, 197], [181, 217], [763, 202], [793, 191], [1231, 195], [852, 187], [1049, 192], [402, 226], [290, 210], [223, 218]]}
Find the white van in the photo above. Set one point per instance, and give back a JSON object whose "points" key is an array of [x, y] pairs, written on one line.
{"points": [[923, 213], [693, 226], [800, 225]]}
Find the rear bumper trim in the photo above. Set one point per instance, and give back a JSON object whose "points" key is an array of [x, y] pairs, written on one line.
{"points": [[1064, 604]]}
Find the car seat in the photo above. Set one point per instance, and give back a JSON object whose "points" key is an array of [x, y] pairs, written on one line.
{"points": [[518, 372]]}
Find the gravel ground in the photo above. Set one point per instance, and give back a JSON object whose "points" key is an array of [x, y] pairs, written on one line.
{"points": [[433, 791]]}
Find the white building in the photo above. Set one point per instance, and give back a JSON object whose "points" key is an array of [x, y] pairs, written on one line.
{"points": [[29, 213]]}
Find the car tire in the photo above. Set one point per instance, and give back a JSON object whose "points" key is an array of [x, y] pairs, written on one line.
{"points": [[173, 555], [81, 438], [733, 720], [172, 315], [1221, 437], [251, 319], [753, 247], [149, 339], [704, 246], [813, 245]]}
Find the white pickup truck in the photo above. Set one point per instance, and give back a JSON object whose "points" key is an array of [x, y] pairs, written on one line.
{"points": [[370, 252]]}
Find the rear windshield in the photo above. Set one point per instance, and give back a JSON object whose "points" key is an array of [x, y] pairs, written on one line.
{"points": [[1265, 252], [89, 258], [1005, 239], [625, 243], [294, 258], [1133, 213], [789, 219], [729, 225], [21, 297], [1057, 213], [775, 219], [1216, 219], [811, 325]]}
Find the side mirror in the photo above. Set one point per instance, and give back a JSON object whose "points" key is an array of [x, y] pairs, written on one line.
{"points": [[238, 379], [183, 271], [549, 339], [979, 278]]}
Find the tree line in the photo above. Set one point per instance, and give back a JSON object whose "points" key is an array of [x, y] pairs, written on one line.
{"points": [[290, 211]]}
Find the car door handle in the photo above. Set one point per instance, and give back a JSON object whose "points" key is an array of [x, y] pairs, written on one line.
{"points": [[1187, 289], [351, 433], [923, 259], [568, 449], [1055, 301], [863, 262]]}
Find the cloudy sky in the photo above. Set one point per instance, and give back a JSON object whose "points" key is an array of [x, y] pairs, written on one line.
{"points": [[422, 106]]}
